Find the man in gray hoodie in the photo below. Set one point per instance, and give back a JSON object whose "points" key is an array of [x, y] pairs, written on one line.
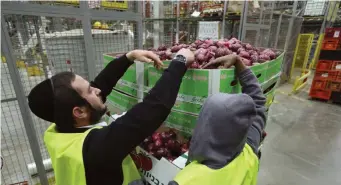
{"points": [[225, 142]]}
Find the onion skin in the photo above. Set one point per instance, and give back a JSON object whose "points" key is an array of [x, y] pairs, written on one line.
{"points": [[220, 44], [209, 42], [254, 58], [248, 47], [213, 48], [244, 54]]}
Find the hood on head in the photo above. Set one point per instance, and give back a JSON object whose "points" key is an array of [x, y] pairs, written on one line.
{"points": [[221, 129]]}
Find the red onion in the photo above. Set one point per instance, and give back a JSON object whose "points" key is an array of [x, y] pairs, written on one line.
{"points": [[158, 143], [198, 42], [201, 58], [205, 46], [156, 136], [194, 65], [175, 48], [235, 47], [228, 52], [209, 42], [248, 47], [244, 54], [213, 48], [240, 49], [162, 48], [200, 51], [151, 147], [161, 152], [264, 57], [220, 43], [221, 52], [254, 58], [165, 136], [253, 52]]}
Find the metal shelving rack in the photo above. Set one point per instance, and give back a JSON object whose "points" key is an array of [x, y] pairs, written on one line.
{"points": [[24, 27]]}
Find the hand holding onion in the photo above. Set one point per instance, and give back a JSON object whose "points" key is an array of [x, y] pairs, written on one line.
{"points": [[145, 56]]}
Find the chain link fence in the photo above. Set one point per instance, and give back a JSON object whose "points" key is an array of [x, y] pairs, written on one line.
{"points": [[43, 45]]}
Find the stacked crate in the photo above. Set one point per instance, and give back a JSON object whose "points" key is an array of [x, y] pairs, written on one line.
{"points": [[327, 80]]}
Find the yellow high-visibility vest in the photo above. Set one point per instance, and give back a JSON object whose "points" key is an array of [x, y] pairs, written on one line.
{"points": [[66, 154], [242, 170]]}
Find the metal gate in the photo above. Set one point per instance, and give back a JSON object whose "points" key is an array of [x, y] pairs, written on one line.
{"points": [[40, 39], [262, 27]]}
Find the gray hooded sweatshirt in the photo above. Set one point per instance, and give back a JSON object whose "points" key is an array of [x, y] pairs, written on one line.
{"points": [[226, 122]]}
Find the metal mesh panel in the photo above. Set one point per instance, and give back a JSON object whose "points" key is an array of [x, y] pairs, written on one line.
{"points": [[160, 9], [120, 37], [42, 46], [15, 150], [231, 27], [188, 31], [158, 32]]}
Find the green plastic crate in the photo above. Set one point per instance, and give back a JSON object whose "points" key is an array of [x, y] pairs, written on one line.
{"points": [[128, 83], [260, 71], [274, 67]]}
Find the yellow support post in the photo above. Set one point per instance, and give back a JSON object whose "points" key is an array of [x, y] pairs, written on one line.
{"points": [[301, 58], [317, 52]]}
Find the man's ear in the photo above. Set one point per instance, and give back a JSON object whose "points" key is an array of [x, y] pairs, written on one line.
{"points": [[80, 112]]}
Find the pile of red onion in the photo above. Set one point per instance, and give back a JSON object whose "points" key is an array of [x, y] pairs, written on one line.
{"points": [[164, 144], [208, 50]]}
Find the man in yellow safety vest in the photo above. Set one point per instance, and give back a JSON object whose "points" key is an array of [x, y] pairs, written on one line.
{"points": [[224, 145], [83, 153]]}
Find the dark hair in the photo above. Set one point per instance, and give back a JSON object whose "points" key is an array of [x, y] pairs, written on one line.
{"points": [[65, 99]]}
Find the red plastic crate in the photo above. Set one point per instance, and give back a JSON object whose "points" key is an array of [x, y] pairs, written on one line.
{"points": [[336, 66], [324, 65], [321, 94], [319, 84], [333, 33], [325, 75], [338, 77], [334, 86], [330, 44]]}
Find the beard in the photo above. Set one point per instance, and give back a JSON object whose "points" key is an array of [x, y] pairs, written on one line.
{"points": [[96, 115]]}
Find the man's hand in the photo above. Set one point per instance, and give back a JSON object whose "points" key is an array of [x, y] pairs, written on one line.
{"points": [[188, 54], [228, 61], [145, 56]]}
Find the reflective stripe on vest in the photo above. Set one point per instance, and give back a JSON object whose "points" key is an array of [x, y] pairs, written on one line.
{"points": [[242, 170], [66, 154]]}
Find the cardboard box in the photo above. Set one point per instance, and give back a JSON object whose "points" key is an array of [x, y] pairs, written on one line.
{"points": [[196, 85], [118, 102], [163, 170], [134, 79]]}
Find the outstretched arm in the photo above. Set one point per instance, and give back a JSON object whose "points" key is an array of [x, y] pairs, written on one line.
{"points": [[122, 136], [109, 76], [251, 87]]}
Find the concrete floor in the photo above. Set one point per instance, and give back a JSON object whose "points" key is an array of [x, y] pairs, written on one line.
{"points": [[303, 145]]}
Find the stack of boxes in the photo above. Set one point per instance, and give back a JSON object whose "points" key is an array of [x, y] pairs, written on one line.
{"points": [[196, 86], [327, 80]]}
